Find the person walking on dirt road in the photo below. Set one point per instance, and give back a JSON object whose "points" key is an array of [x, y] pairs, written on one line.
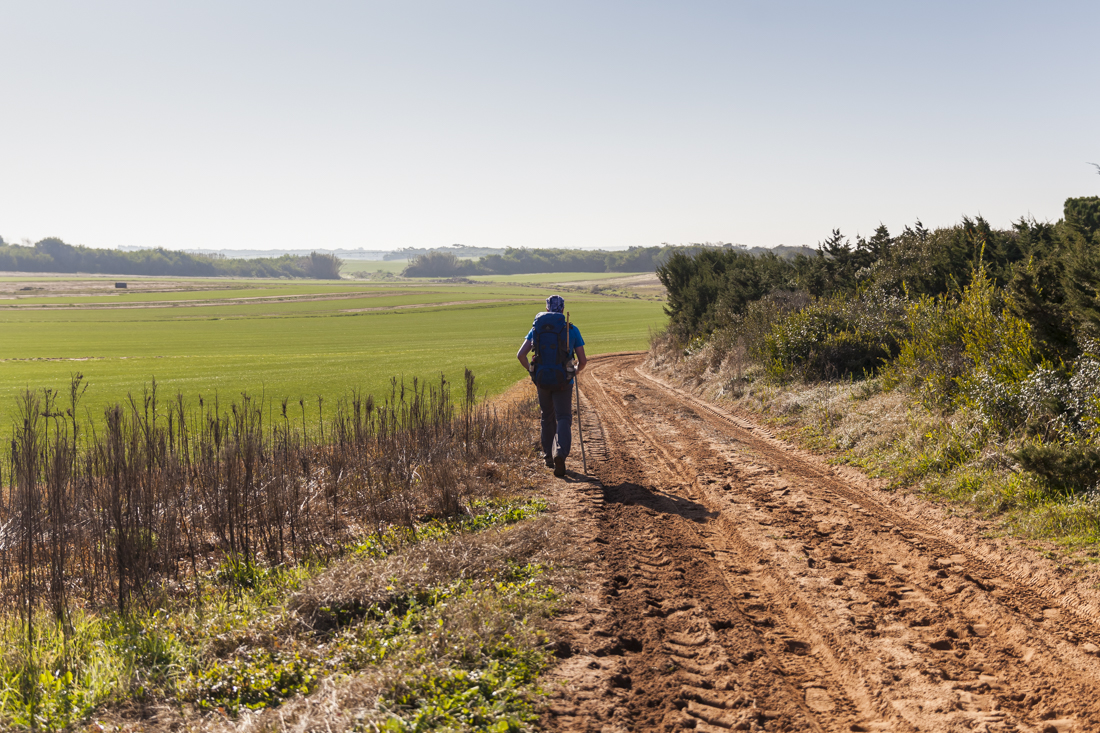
{"points": [[555, 341]]}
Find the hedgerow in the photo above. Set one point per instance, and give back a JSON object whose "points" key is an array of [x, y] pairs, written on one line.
{"points": [[993, 333]]}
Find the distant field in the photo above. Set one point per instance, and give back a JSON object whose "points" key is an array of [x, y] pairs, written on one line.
{"points": [[350, 267], [552, 277], [633, 284], [284, 339]]}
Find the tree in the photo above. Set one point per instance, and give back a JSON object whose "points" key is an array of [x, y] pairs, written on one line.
{"points": [[1082, 259], [323, 266], [439, 264], [1035, 291]]}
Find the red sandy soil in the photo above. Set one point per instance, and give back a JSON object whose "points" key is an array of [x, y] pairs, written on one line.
{"points": [[738, 583]]}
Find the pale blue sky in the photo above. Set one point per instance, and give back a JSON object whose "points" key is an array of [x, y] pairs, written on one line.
{"points": [[394, 124]]}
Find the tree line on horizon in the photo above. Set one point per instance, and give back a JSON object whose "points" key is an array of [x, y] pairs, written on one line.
{"points": [[523, 261], [54, 255]]}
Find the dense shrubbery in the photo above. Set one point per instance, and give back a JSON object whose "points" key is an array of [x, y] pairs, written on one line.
{"points": [[836, 336], [53, 255], [1002, 324], [964, 347]]}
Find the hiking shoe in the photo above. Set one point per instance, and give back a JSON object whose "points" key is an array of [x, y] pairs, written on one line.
{"points": [[559, 466], [549, 461]]}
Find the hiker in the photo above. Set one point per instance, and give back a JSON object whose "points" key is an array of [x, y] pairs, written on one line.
{"points": [[552, 370]]}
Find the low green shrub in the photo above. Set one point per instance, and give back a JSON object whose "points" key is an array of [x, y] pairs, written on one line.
{"points": [[941, 450], [1063, 467], [256, 679], [68, 672], [485, 657], [483, 514], [835, 337], [752, 327], [492, 698], [965, 350], [237, 573]]}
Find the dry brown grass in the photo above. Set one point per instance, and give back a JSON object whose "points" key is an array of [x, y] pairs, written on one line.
{"points": [[140, 511], [854, 418], [361, 583]]}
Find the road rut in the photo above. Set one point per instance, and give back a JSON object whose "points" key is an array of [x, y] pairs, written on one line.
{"points": [[746, 585]]}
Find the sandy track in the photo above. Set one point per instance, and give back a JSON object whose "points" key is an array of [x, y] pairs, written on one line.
{"points": [[744, 585]]}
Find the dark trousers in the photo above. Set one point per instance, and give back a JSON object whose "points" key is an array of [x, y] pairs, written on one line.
{"points": [[557, 421]]}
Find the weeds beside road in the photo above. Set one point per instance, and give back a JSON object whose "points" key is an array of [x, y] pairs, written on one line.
{"points": [[172, 567]]}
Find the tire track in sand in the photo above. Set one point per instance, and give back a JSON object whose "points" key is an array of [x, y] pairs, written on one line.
{"points": [[750, 587]]}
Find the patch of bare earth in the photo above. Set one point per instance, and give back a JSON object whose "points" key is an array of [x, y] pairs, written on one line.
{"points": [[29, 287], [643, 285], [449, 303], [738, 583], [644, 280]]}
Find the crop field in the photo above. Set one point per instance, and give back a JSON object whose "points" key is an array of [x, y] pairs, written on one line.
{"points": [[279, 339], [632, 284], [350, 267]]}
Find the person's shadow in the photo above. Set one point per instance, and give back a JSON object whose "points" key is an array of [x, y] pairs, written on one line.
{"points": [[629, 493]]}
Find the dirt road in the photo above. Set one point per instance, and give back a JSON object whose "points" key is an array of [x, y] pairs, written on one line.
{"points": [[741, 584]]}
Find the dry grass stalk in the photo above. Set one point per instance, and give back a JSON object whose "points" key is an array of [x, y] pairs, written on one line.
{"points": [[155, 492]]}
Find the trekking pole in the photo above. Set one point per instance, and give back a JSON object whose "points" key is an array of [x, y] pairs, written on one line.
{"points": [[580, 430], [577, 385]]}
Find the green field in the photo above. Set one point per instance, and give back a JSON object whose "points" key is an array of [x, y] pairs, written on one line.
{"points": [[284, 339], [350, 267]]}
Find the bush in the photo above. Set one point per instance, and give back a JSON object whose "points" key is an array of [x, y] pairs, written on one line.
{"points": [[715, 285], [835, 337], [958, 348], [997, 401], [1057, 407], [439, 264], [1068, 468], [1046, 401], [1084, 391], [323, 266], [753, 327]]}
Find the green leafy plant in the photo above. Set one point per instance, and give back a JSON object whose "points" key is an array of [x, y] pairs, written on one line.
{"points": [[961, 347], [257, 679]]}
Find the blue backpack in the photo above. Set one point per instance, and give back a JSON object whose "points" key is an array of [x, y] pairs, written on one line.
{"points": [[551, 352]]}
